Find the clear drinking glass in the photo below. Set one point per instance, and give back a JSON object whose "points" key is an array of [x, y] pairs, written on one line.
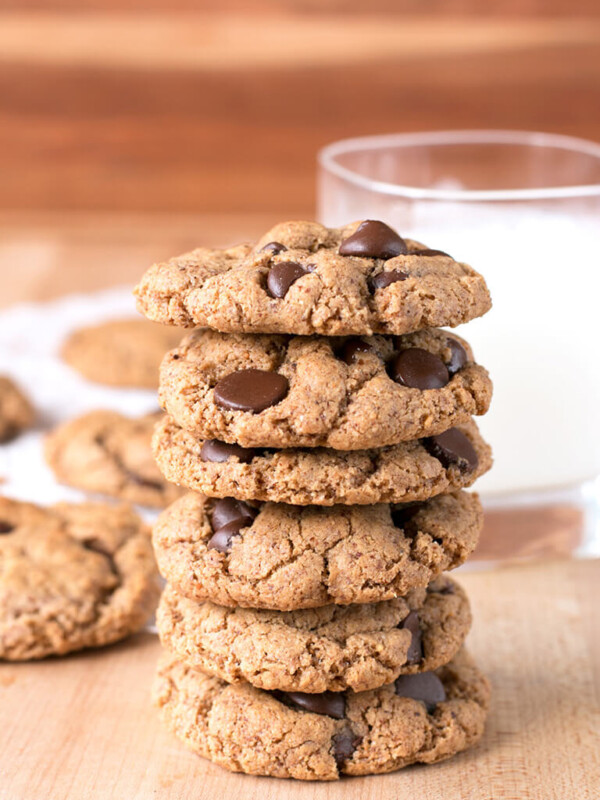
{"points": [[523, 209]]}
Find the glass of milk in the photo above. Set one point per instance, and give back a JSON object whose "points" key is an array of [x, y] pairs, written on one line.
{"points": [[524, 210]]}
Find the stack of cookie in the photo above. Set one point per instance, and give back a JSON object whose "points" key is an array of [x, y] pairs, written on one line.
{"points": [[323, 424]]}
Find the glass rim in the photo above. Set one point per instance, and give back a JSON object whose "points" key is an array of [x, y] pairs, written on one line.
{"points": [[326, 158]]}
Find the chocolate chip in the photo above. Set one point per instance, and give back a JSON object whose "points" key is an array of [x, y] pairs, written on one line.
{"points": [[217, 451], [453, 447], [415, 648], [401, 514], [282, 275], [373, 239], [231, 510], [273, 247], [427, 252], [6, 527], [329, 704], [351, 348], [344, 745], [222, 539], [419, 369], [383, 279], [424, 686], [250, 390], [458, 356], [445, 588]]}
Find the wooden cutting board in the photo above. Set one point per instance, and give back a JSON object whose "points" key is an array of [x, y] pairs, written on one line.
{"points": [[83, 727]]}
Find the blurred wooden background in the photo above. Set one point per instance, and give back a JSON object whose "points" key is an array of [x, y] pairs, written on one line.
{"points": [[133, 128]]}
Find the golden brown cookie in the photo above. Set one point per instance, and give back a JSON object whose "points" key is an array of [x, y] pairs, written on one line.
{"points": [[71, 577], [331, 648], [16, 411], [421, 718], [348, 394], [304, 278], [284, 557], [106, 452], [400, 473], [123, 352]]}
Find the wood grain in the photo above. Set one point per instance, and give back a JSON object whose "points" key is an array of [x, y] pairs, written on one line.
{"points": [[82, 727]]}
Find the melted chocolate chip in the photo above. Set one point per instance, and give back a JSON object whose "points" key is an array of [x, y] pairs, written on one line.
{"points": [[419, 369], [6, 527], [415, 649], [230, 510], [217, 451], [458, 356], [401, 514], [351, 348], [373, 239], [329, 704], [424, 686], [453, 447], [383, 279], [344, 745], [427, 252], [273, 247], [222, 539], [282, 275], [251, 390]]}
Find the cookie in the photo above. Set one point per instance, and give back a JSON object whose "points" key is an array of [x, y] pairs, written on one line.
{"points": [[400, 473], [124, 352], [418, 719], [348, 394], [106, 452], [303, 278], [71, 577], [331, 648], [284, 557], [16, 412]]}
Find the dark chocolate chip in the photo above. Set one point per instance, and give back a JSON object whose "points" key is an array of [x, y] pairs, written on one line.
{"points": [[419, 369], [217, 451], [329, 704], [231, 510], [251, 390], [401, 514], [427, 252], [424, 686], [351, 348], [282, 275], [273, 247], [453, 447], [222, 539], [6, 527], [373, 239], [383, 279], [344, 745], [415, 649], [458, 356]]}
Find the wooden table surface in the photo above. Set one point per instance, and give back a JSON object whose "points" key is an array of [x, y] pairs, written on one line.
{"points": [[83, 727]]}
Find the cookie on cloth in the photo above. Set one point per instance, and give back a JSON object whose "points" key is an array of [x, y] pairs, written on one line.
{"points": [[304, 278], [71, 577], [16, 411]]}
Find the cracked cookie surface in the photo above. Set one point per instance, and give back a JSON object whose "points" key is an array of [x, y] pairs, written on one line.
{"points": [[328, 402], [331, 294], [71, 577], [331, 648], [107, 452], [124, 352], [291, 557], [16, 411], [245, 729], [400, 473]]}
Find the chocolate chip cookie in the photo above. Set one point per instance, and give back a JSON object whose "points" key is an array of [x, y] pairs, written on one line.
{"points": [[331, 648], [304, 278], [284, 557], [71, 577], [399, 473], [420, 718], [16, 412], [124, 352], [348, 394], [106, 452]]}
